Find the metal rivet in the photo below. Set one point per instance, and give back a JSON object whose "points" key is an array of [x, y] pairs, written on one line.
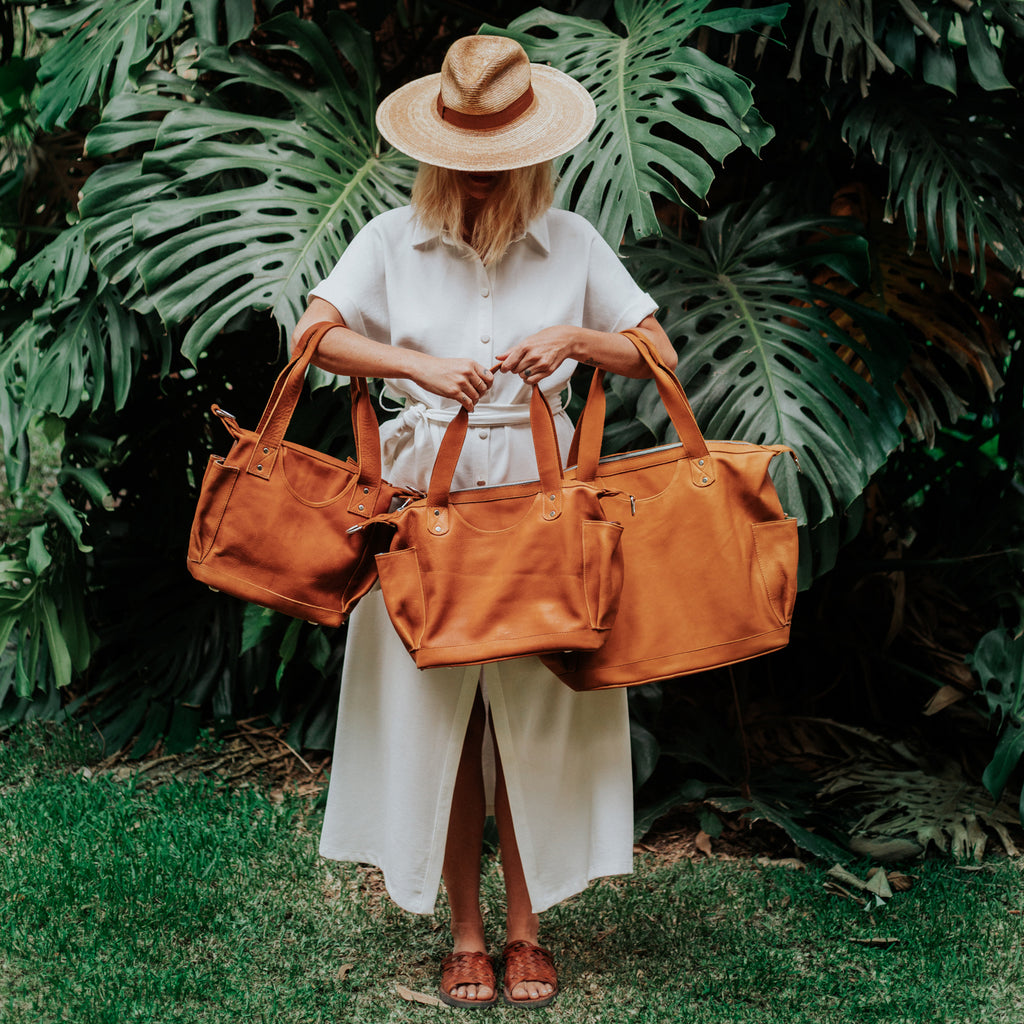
{"points": [[266, 451], [259, 469], [366, 490], [361, 507], [552, 514], [700, 462], [437, 511], [551, 497], [704, 480], [437, 529]]}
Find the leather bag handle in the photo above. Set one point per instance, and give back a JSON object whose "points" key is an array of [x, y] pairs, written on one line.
{"points": [[545, 444], [281, 405], [586, 442]]}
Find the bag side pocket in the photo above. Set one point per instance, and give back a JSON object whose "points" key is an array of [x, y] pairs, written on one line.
{"points": [[777, 550], [402, 587], [214, 495], [602, 571]]}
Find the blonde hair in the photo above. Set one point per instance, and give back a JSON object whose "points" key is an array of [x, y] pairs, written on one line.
{"points": [[518, 197]]}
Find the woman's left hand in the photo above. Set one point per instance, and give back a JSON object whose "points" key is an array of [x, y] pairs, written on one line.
{"points": [[539, 355]]}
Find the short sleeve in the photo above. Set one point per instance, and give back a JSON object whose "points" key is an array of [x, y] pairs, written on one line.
{"points": [[357, 286], [614, 301]]}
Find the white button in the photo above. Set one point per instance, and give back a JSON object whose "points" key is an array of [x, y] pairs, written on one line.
{"points": [[485, 338], [485, 292], [483, 434]]}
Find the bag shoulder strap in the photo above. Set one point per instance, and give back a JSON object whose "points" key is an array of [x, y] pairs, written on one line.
{"points": [[586, 445], [545, 444], [277, 416]]}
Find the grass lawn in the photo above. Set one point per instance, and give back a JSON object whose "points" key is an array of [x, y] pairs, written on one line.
{"points": [[202, 903]]}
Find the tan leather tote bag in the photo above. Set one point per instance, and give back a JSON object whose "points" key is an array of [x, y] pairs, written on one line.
{"points": [[272, 522], [500, 572], [710, 557]]}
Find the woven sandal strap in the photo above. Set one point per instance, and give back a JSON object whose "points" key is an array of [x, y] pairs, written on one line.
{"points": [[527, 962], [466, 969]]}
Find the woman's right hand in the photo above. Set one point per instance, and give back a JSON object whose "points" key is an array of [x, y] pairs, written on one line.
{"points": [[463, 380]]}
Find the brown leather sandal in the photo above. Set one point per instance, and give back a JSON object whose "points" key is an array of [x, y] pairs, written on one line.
{"points": [[526, 962], [467, 969]]}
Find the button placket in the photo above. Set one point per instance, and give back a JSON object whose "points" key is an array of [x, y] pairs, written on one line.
{"points": [[485, 321]]}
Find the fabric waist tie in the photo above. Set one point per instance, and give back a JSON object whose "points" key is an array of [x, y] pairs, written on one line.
{"points": [[486, 415], [409, 439]]}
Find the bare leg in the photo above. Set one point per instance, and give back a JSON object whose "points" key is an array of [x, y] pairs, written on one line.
{"points": [[461, 869], [521, 921]]}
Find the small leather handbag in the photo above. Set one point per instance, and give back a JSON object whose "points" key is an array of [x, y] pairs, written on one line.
{"points": [[500, 572], [272, 522], [710, 556]]}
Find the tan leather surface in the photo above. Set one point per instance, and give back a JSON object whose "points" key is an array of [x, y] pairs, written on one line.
{"points": [[501, 572], [710, 557], [272, 518]]}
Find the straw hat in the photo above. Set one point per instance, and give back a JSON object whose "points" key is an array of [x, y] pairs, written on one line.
{"points": [[489, 109]]}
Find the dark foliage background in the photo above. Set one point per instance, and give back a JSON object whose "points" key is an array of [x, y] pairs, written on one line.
{"points": [[825, 199]]}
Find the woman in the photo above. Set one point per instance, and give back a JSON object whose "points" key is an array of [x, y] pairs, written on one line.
{"points": [[471, 296]]}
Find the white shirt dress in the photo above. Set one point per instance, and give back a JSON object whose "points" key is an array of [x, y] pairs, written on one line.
{"points": [[565, 755]]}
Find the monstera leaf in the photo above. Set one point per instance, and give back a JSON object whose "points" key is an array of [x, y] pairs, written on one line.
{"points": [[231, 210], [80, 344], [666, 112], [762, 360], [944, 327], [955, 44], [104, 44], [953, 165], [849, 29]]}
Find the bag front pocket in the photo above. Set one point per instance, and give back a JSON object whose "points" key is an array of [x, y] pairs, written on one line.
{"points": [[214, 495], [602, 571], [402, 587], [777, 549]]}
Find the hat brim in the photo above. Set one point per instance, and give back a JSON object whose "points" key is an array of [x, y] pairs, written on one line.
{"points": [[560, 117]]}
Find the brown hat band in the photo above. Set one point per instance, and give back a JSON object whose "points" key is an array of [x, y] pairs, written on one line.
{"points": [[481, 122]]}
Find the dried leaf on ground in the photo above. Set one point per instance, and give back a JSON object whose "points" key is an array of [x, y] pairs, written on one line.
{"points": [[343, 971], [900, 882], [878, 883], [837, 871], [835, 889], [419, 997], [879, 943], [782, 862], [902, 810]]}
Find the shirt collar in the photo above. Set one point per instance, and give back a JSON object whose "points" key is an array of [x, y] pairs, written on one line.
{"points": [[536, 234]]}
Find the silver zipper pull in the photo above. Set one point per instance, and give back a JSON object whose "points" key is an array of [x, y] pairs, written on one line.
{"points": [[632, 505]]}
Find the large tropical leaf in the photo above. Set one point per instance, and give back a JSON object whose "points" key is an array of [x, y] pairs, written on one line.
{"points": [[952, 164], [843, 34], [233, 210], [104, 45], [955, 47], [763, 361], [955, 346], [941, 44], [80, 345], [666, 112]]}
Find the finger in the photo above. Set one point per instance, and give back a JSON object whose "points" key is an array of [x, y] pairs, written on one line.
{"points": [[512, 362]]}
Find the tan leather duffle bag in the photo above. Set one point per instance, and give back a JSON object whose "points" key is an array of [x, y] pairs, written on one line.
{"points": [[273, 518], [710, 557], [500, 572]]}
